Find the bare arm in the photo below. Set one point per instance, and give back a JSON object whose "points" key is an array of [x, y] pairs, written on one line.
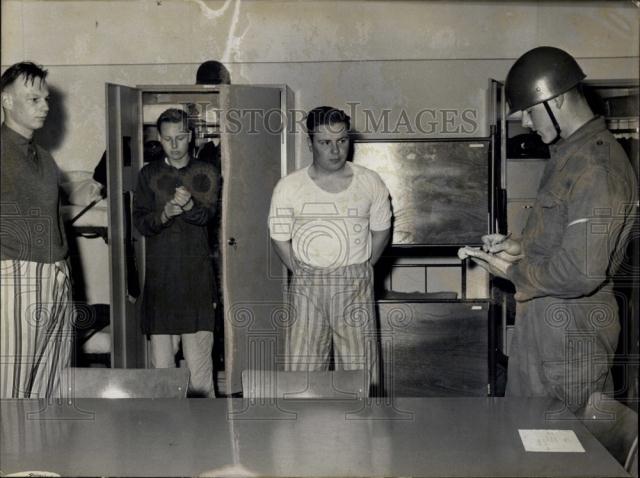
{"points": [[284, 251], [379, 240]]}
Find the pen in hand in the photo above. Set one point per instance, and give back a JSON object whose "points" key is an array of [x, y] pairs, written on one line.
{"points": [[500, 241]]}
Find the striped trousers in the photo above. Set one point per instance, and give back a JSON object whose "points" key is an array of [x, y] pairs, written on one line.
{"points": [[333, 309], [36, 327]]}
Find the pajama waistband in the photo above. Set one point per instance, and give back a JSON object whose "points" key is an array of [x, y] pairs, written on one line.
{"points": [[362, 270]]}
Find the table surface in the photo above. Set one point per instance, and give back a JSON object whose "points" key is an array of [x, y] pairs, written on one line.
{"points": [[401, 437]]}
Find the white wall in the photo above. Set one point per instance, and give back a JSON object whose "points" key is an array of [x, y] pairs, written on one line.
{"points": [[404, 56]]}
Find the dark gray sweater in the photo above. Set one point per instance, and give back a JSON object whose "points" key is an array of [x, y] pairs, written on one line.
{"points": [[31, 224]]}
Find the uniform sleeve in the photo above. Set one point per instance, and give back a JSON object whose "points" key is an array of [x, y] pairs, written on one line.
{"points": [[591, 235], [380, 215], [280, 214], [146, 213]]}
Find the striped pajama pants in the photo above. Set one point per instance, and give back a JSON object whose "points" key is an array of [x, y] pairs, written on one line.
{"points": [[332, 309], [36, 326]]}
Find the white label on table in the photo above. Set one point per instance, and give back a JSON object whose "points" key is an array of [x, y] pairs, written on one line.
{"points": [[551, 441]]}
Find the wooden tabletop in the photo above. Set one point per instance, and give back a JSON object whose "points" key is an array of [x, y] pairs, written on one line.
{"points": [[403, 437]]}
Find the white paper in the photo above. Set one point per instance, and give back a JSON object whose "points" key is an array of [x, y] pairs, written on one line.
{"points": [[564, 441]]}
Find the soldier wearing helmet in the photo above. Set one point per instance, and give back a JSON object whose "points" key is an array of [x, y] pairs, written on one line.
{"points": [[544, 84], [567, 325]]}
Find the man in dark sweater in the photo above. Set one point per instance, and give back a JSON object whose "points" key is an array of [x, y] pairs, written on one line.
{"points": [[36, 310]]}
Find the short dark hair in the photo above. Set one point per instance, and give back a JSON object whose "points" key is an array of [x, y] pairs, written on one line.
{"points": [[29, 70], [325, 115], [213, 73], [174, 115]]}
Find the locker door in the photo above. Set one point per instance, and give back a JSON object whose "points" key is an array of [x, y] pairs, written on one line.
{"points": [[498, 152], [124, 160], [252, 274]]}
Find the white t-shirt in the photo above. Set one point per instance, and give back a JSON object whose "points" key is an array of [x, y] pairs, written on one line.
{"points": [[329, 229]]}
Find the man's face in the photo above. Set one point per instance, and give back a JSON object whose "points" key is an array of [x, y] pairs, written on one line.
{"points": [[175, 140], [26, 105], [330, 146], [537, 119]]}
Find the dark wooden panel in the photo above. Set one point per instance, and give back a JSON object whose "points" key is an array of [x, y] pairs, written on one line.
{"points": [[439, 189], [435, 349]]}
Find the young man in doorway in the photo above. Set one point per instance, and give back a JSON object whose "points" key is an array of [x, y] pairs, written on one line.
{"points": [[175, 199]]}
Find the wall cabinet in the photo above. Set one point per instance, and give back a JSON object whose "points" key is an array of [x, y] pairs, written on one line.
{"points": [[256, 144], [434, 340], [435, 349]]}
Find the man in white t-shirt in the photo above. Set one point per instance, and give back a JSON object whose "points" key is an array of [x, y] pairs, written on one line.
{"points": [[329, 224]]}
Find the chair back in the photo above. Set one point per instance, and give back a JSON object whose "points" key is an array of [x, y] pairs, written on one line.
{"points": [[79, 382], [338, 384], [615, 426]]}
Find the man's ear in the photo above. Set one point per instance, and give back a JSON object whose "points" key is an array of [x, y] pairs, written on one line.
{"points": [[559, 101], [7, 100], [310, 143]]}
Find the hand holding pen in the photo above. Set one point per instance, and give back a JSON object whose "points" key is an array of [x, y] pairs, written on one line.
{"points": [[497, 254], [496, 243]]}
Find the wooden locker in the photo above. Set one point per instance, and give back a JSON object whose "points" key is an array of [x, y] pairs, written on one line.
{"points": [[435, 349], [254, 157]]}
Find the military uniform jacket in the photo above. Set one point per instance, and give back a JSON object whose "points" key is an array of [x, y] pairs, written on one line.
{"points": [[567, 322]]}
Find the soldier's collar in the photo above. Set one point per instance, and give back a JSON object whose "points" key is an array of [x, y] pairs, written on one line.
{"points": [[566, 147]]}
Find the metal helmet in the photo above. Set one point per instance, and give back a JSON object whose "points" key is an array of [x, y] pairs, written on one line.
{"points": [[540, 75]]}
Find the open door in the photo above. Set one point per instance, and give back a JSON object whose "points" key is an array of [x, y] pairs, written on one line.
{"points": [[126, 258], [253, 280]]}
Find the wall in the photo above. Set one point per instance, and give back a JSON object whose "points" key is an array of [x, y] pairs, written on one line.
{"points": [[403, 55], [400, 56]]}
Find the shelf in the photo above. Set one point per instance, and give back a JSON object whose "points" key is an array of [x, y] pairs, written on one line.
{"points": [[393, 296], [160, 98], [432, 301]]}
